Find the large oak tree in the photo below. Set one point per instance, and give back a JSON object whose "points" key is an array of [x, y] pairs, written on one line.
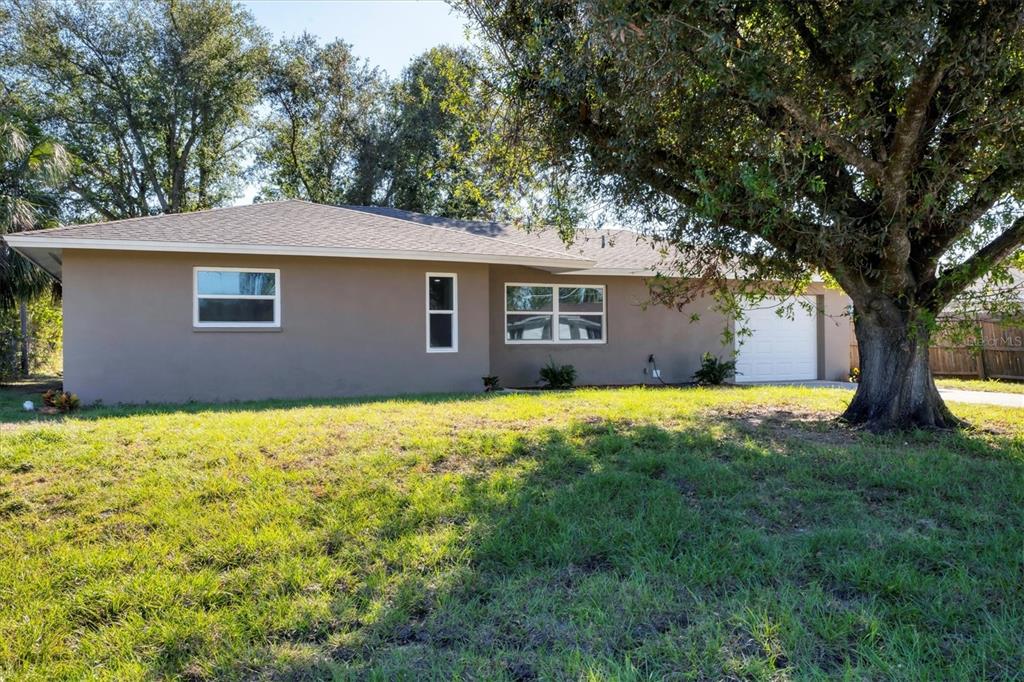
{"points": [[879, 141]]}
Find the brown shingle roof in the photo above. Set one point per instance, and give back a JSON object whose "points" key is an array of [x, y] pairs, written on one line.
{"points": [[609, 249], [302, 225]]}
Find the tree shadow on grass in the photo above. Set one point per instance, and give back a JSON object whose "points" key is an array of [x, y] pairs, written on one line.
{"points": [[732, 549]]}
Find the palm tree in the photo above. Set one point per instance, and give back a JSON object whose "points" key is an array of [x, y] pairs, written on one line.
{"points": [[31, 167]]}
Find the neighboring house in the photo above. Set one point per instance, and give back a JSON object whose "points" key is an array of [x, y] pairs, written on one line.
{"points": [[295, 299]]}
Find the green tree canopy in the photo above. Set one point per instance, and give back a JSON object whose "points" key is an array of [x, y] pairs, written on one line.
{"points": [[879, 142], [152, 97], [445, 153], [432, 141], [320, 141], [32, 168]]}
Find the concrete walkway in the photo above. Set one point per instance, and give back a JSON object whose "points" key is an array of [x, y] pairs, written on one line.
{"points": [[951, 394], [982, 397]]}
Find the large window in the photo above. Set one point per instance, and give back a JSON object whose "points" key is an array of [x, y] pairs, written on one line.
{"points": [[550, 313], [237, 297], [442, 313]]}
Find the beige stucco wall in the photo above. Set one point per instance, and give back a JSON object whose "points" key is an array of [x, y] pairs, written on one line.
{"points": [[834, 328], [634, 332], [355, 327], [349, 327]]}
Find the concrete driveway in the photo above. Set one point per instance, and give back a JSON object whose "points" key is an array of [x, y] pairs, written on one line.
{"points": [[982, 397], [953, 395]]}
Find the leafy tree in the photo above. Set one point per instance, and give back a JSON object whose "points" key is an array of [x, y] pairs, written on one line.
{"points": [[321, 140], [876, 141], [152, 97], [31, 166], [446, 151], [432, 142]]}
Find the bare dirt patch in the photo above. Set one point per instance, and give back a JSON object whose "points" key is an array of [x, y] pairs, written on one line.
{"points": [[782, 424]]}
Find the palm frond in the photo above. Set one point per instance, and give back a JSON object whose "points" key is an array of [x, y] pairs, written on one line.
{"points": [[31, 167]]}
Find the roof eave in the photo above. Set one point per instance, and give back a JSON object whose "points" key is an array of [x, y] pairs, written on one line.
{"points": [[43, 258], [23, 242], [613, 272]]}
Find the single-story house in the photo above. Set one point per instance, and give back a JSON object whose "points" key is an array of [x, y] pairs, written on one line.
{"points": [[295, 299]]}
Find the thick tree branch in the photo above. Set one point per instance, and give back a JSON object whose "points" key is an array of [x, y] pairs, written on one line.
{"points": [[954, 280], [901, 156], [906, 137], [933, 243], [798, 241], [833, 141]]}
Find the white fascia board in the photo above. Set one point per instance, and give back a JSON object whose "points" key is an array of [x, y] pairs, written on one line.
{"points": [[611, 272], [36, 241], [816, 278]]}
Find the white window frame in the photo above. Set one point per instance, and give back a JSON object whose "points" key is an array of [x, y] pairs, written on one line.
{"points": [[555, 312], [276, 324], [454, 311]]}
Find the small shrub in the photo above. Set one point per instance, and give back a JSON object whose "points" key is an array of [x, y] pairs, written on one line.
{"points": [[557, 376], [68, 402], [855, 375], [714, 371], [62, 401], [491, 383]]}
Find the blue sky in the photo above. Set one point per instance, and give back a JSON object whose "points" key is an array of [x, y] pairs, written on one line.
{"points": [[388, 33]]}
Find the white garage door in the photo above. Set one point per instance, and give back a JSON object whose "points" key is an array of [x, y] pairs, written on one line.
{"points": [[780, 349]]}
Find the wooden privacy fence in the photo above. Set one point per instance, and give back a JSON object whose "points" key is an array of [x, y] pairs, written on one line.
{"points": [[1001, 355]]}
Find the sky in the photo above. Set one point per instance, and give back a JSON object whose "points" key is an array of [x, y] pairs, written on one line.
{"points": [[389, 33]]}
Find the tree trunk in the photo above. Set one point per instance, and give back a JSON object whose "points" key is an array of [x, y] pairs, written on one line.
{"points": [[23, 318], [896, 389]]}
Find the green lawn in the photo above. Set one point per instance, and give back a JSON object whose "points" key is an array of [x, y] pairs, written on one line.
{"points": [[991, 385], [12, 395], [598, 534]]}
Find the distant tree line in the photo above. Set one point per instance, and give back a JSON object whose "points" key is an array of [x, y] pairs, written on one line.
{"points": [[166, 106]]}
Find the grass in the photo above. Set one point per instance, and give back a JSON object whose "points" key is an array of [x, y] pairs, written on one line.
{"points": [[599, 534], [13, 394], [989, 385]]}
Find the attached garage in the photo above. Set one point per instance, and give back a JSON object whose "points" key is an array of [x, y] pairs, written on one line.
{"points": [[779, 348]]}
